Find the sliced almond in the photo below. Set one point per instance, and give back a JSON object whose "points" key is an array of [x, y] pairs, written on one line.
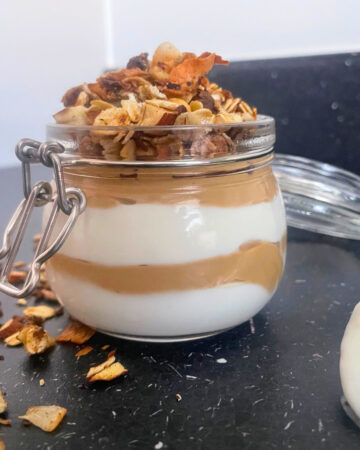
{"points": [[44, 312], [35, 339], [47, 418], [6, 422], [84, 351], [16, 323], [13, 341], [76, 332], [3, 403]]}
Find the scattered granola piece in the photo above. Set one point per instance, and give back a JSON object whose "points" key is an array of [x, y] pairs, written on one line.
{"points": [[37, 237], [18, 264], [42, 382], [16, 276], [1, 312], [84, 351], [13, 341], [178, 397], [2, 445], [106, 371], [3, 403], [76, 332], [44, 312], [47, 418], [21, 302], [59, 311], [11, 326], [96, 369], [6, 422], [109, 373], [47, 294], [35, 339], [105, 347]]}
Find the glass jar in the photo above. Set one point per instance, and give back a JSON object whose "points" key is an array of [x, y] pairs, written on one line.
{"points": [[183, 239], [156, 234]]}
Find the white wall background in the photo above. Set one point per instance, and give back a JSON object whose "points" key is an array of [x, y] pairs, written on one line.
{"points": [[47, 46]]}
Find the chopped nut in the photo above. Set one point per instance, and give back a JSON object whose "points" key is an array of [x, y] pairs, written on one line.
{"points": [[44, 312], [11, 326], [35, 339], [76, 332], [47, 418], [18, 264], [13, 341], [6, 422], [84, 351], [139, 61], [16, 276], [3, 403], [21, 302], [47, 294], [42, 382]]}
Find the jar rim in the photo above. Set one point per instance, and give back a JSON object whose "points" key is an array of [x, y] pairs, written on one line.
{"points": [[257, 140]]}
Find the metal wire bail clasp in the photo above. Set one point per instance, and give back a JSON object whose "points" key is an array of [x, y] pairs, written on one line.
{"points": [[70, 201]]}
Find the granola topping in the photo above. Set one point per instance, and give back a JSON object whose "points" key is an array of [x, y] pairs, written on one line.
{"points": [[170, 89]]}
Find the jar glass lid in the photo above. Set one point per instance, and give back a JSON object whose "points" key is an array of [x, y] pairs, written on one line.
{"points": [[319, 197]]}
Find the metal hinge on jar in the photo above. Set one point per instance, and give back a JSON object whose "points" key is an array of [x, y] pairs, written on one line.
{"points": [[70, 201]]}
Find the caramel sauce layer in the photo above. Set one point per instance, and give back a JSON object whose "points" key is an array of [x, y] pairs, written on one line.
{"points": [[255, 262], [225, 185]]}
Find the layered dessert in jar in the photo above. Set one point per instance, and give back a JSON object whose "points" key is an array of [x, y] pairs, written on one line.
{"points": [[184, 232]]}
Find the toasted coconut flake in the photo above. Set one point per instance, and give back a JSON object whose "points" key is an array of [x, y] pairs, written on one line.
{"points": [[96, 369], [21, 302], [35, 339], [84, 351], [13, 341], [76, 332], [47, 418], [109, 373], [6, 422], [3, 403], [44, 312], [42, 382], [16, 276], [194, 68], [11, 326]]}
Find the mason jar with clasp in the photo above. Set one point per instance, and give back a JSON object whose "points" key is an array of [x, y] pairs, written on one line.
{"points": [[182, 240]]}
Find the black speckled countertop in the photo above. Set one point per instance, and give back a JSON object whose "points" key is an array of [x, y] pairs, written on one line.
{"points": [[274, 385]]}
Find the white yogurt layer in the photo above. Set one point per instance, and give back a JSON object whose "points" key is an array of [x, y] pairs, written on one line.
{"points": [[173, 313], [170, 234], [350, 361]]}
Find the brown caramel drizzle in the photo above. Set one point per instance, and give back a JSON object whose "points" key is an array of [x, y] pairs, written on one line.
{"points": [[220, 185], [256, 262]]}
